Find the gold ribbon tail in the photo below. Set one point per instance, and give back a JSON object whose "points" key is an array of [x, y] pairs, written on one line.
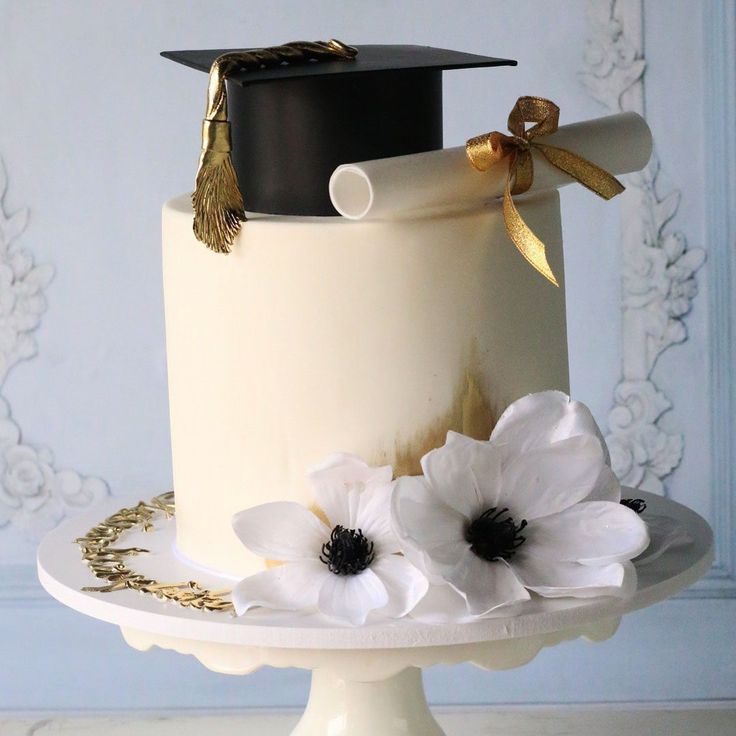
{"points": [[526, 242], [591, 176], [484, 151]]}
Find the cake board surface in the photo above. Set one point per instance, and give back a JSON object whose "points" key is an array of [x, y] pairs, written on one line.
{"points": [[63, 574]]}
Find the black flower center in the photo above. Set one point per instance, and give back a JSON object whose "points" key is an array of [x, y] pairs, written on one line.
{"points": [[635, 504], [348, 552], [494, 535]]}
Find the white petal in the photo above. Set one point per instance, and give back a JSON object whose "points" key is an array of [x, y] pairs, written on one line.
{"points": [[593, 533], [374, 518], [336, 477], [405, 585], [352, 597], [486, 585], [664, 533], [486, 461], [554, 579], [349, 466], [606, 488], [442, 604], [293, 586], [465, 474], [425, 525], [538, 419], [547, 480], [422, 562], [281, 530]]}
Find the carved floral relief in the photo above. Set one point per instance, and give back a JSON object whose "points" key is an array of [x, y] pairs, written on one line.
{"points": [[34, 494], [658, 272]]}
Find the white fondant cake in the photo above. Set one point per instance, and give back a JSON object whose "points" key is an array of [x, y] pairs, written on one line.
{"points": [[319, 335]]}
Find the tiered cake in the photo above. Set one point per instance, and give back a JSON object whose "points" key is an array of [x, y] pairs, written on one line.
{"points": [[316, 335], [319, 334]]}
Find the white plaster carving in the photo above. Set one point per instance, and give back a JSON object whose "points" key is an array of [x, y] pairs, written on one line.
{"points": [[34, 495], [658, 281]]}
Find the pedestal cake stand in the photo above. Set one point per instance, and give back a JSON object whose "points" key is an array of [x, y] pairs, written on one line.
{"points": [[366, 681]]}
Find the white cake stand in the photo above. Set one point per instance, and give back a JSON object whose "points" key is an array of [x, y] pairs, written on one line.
{"points": [[366, 681]]}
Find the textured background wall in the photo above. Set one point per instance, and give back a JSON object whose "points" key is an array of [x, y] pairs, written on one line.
{"points": [[96, 132]]}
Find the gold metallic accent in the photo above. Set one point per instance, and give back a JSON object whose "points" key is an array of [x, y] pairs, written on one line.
{"points": [[218, 204], [472, 412], [109, 563], [484, 151]]}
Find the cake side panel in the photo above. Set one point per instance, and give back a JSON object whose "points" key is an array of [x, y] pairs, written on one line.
{"points": [[200, 417], [316, 336]]}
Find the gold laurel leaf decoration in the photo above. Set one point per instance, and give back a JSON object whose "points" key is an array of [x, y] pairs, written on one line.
{"points": [[109, 563]]}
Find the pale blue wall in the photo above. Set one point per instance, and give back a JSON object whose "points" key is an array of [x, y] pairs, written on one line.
{"points": [[96, 392]]}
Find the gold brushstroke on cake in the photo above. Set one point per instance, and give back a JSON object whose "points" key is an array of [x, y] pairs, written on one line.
{"points": [[471, 413], [108, 562]]}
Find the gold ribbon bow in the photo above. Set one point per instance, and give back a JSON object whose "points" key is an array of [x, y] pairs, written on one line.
{"points": [[486, 150], [218, 204]]}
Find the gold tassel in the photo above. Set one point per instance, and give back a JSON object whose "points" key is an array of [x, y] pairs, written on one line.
{"points": [[217, 201]]}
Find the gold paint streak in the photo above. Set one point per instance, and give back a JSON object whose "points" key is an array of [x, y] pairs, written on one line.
{"points": [[470, 414]]}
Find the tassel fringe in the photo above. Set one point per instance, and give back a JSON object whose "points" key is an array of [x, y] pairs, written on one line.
{"points": [[218, 203]]}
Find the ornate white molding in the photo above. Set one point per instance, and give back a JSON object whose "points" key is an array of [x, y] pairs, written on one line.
{"points": [[34, 495], [658, 282], [719, 35]]}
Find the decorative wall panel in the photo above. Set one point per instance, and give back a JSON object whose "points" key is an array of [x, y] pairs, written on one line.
{"points": [[35, 495]]}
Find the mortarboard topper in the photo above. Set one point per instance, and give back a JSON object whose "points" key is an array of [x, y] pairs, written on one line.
{"points": [[300, 110]]}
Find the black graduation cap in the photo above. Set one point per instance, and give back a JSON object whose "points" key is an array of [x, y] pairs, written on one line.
{"points": [[296, 117]]}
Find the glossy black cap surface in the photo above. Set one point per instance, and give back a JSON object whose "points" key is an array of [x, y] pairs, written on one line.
{"points": [[292, 125]]}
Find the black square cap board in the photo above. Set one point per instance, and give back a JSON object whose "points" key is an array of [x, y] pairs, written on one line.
{"points": [[293, 124]]}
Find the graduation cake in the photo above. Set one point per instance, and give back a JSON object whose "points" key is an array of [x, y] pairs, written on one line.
{"points": [[361, 289]]}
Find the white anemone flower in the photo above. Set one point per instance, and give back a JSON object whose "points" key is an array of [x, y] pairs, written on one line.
{"points": [[347, 568], [535, 508]]}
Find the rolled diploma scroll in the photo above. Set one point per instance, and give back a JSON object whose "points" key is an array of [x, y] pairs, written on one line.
{"points": [[438, 180]]}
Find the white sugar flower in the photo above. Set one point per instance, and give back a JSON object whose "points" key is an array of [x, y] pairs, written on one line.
{"points": [[346, 568], [535, 508]]}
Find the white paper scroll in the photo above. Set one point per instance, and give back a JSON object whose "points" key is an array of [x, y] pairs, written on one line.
{"points": [[439, 180]]}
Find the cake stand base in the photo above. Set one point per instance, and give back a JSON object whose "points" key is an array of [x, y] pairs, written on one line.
{"points": [[395, 706], [369, 691]]}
